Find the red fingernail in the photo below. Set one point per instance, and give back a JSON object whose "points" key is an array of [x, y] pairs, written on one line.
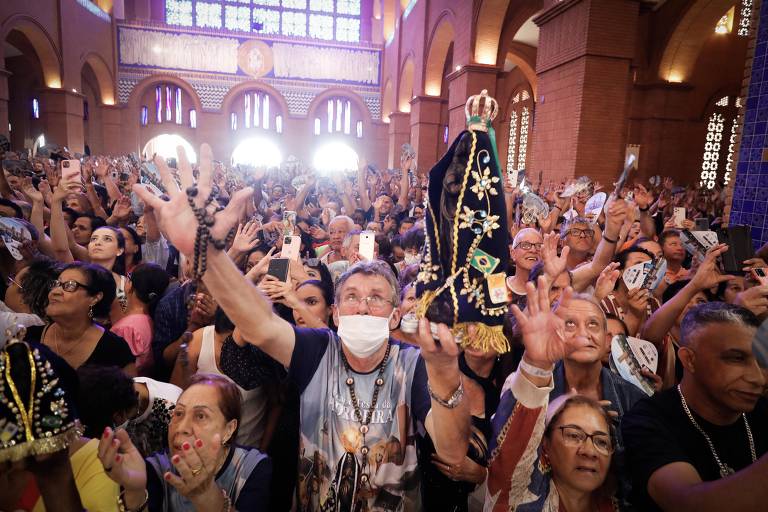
{"points": [[106, 432], [118, 458], [167, 476], [186, 446], [175, 459], [199, 443]]}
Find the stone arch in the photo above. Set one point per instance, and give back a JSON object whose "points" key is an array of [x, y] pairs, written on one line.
{"points": [[405, 88], [152, 80], [686, 41], [439, 43], [43, 44], [525, 59], [489, 22], [387, 102], [254, 84], [105, 84]]}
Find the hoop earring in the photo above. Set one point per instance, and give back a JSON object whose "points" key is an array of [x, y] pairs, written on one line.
{"points": [[90, 312], [544, 466]]}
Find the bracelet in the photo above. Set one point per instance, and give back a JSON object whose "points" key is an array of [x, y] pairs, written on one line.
{"points": [[454, 400], [121, 504], [609, 240], [645, 209], [558, 207], [534, 370]]}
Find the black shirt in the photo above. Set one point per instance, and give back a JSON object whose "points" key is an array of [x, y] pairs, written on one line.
{"points": [[657, 432], [110, 350]]}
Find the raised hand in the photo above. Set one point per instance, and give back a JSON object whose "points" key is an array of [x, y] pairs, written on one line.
{"points": [[643, 198], [606, 282], [175, 217], [29, 190], [554, 265], [196, 464], [122, 462], [638, 301], [245, 238], [754, 299], [543, 331], [708, 276]]}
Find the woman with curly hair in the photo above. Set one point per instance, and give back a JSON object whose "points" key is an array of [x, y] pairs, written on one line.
{"points": [[27, 295]]}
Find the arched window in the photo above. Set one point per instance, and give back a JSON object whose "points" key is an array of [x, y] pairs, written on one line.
{"points": [[256, 109], [520, 123], [717, 160], [745, 15], [167, 105], [165, 145], [340, 116]]}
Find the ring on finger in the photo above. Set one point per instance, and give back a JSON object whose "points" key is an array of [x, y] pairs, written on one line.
{"points": [[197, 471]]}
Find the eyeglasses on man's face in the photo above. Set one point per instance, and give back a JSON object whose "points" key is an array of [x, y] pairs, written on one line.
{"points": [[374, 302], [529, 246], [581, 233], [574, 436], [70, 286]]}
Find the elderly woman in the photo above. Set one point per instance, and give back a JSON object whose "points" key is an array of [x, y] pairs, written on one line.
{"points": [[560, 459], [81, 293], [203, 470]]}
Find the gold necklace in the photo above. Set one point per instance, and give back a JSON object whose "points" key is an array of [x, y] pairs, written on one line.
{"points": [[56, 342]]}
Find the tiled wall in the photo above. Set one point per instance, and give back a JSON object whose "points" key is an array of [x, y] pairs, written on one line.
{"points": [[750, 192]]}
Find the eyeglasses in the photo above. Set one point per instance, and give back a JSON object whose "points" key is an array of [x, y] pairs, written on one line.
{"points": [[581, 233], [11, 281], [374, 302], [70, 286], [575, 437], [527, 246]]}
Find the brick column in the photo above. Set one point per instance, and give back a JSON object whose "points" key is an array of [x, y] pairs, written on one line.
{"points": [[584, 81], [467, 81], [4, 97], [61, 115], [425, 130], [399, 134]]}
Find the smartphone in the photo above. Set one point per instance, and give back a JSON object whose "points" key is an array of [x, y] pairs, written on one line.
{"points": [[289, 222], [291, 247], [70, 171], [760, 275], [739, 240], [367, 239], [701, 224], [678, 216], [278, 267]]}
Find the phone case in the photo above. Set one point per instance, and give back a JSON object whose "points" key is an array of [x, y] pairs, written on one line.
{"points": [[291, 247], [739, 241], [366, 244], [278, 267]]}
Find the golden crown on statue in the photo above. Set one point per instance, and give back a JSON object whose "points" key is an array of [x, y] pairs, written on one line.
{"points": [[477, 120]]}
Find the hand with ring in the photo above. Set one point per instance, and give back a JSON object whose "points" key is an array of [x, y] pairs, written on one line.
{"points": [[467, 471], [196, 465]]}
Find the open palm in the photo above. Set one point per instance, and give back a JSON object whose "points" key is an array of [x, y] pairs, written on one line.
{"points": [[175, 217], [554, 265], [542, 330]]}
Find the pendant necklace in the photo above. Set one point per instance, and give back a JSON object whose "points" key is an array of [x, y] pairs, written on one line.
{"points": [[365, 420], [725, 469]]}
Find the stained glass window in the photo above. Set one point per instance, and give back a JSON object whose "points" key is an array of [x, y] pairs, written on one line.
{"points": [[247, 115], [712, 149], [729, 157], [348, 7], [359, 129], [717, 154], [159, 103], [321, 5], [257, 111], [348, 30], [294, 24], [269, 19], [318, 19], [265, 112], [192, 118], [35, 108], [519, 130], [725, 24], [340, 118], [168, 109], [178, 12], [745, 15], [208, 15], [144, 119], [178, 106], [233, 121], [279, 124], [317, 126], [237, 18], [320, 26]]}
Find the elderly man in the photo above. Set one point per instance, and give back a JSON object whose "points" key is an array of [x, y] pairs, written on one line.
{"points": [[525, 252], [337, 231], [701, 445], [364, 397]]}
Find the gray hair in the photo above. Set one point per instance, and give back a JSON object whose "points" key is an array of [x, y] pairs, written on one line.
{"points": [[520, 234], [568, 223], [345, 218], [715, 313], [585, 297], [348, 238], [370, 268]]}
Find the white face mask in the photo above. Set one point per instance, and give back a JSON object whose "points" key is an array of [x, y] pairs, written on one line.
{"points": [[363, 334], [412, 259]]}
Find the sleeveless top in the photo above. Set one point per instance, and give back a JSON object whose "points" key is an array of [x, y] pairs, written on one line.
{"points": [[254, 402], [120, 295], [231, 478]]}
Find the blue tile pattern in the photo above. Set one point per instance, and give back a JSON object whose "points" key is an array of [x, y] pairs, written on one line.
{"points": [[750, 194]]}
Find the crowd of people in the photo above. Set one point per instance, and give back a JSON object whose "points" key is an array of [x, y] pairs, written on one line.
{"points": [[229, 340]]}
